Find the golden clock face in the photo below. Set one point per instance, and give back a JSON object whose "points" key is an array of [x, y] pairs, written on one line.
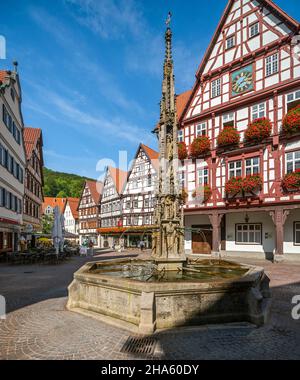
{"points": [[242, 80]]}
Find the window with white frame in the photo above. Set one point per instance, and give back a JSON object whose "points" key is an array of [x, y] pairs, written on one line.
{"points": [[297, 233], [252, 166], [230, 42], [228, 119], [235, 169], [216, 88], [254, 30], [258, 111], [147, 220], [293, 100], [201, 129], [272, 64], [203, 176], [248, 233], [292, 161], [180, 136]]}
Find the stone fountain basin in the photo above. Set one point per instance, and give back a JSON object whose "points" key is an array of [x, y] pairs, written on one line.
{"points": [[143, 307]]}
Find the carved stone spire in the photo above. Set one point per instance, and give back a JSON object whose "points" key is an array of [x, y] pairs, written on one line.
{"points": [[168, 241]]}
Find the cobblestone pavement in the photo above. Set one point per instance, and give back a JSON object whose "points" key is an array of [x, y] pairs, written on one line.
{"points": [[39, 327]]}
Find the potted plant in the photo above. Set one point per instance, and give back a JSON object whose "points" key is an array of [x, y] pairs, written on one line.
{"points": [[229, 136], [258, 130], [234, 185], [291, 121], [251, 183], [248, 184], [200, 146], [182, 151], [291, 181]]}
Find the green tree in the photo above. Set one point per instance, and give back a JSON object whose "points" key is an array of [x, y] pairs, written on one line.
{"points": [[47, 224]]}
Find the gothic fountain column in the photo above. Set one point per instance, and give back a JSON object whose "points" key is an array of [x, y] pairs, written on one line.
{"points": [[168, 250]]}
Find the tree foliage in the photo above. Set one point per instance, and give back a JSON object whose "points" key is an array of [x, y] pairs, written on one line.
{"points": [[63, 185]]}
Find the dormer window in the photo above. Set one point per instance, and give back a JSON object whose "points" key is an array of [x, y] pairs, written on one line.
{"points": [[230, 42], [254, 30]]}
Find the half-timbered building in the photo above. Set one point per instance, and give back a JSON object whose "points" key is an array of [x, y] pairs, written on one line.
{"points": [[88, 209], [111, 207], [138, 198], [248, 80], [12, 161], [33, 199]]}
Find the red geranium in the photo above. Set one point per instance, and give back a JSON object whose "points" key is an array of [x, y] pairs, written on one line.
{"points": [[291, 181], [229, 136], [234, 185], [182, 151], [251, 183], [258, 130], [200, 146], [248, 184], [291, 121]]}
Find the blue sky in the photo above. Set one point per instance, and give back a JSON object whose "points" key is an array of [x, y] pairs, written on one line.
{"points": [[91, 70]]}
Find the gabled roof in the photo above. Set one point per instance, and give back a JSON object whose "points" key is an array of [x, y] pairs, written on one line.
{"points": [[119, 178], [95, 189], [153, 155], [52, 202], [31, 137], [73, 203], [265, 3]]}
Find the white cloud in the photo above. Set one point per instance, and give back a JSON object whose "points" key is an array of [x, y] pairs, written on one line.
{"points": [[95, 125], [110, 19]]}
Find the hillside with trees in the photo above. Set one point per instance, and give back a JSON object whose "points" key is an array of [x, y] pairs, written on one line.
{"points": [[62, 185]]}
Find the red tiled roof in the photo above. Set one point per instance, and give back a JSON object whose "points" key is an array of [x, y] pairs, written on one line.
{"points": [[73, 203], [31, 136], [119, 177], [95, 189], [181, 102], [52, 202], [153, 156]]}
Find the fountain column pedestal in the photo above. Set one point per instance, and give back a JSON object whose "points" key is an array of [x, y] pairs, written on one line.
{"points": [[170, 264]]}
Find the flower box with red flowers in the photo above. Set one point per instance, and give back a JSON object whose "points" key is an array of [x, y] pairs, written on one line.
{"points": [[203, 192], [182, 151], [244, 186], [291, 181], [228, 137], [258, 130], [200, 147], [291, 121]]}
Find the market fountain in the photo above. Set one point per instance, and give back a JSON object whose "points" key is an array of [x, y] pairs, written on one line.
{"points": [[169, 290]]}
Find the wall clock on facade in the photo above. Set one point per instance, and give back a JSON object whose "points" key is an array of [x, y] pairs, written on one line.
{"points": [[242, 80]]}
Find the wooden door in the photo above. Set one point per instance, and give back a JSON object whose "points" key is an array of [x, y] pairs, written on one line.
{"points": [[202, 242]]}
